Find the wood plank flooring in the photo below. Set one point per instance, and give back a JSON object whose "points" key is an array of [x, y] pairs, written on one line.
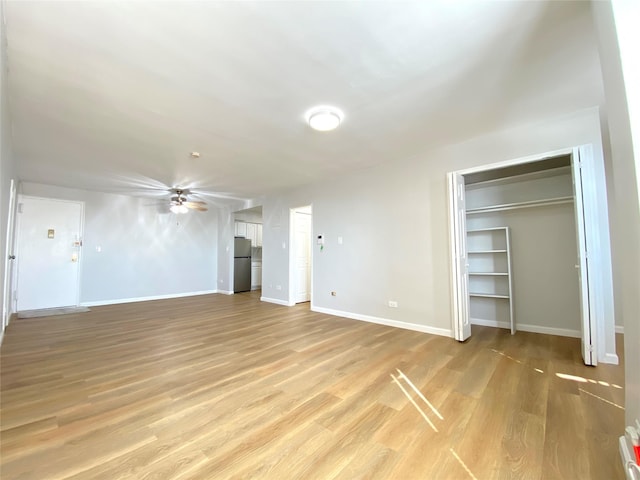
{"points": [[224, 387]]}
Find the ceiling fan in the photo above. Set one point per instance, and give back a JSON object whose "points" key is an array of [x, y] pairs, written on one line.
{"points": [[180, 204]]}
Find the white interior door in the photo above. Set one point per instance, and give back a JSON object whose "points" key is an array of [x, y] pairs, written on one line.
{"points": [[588, 330], [9, 258], [302, 246], [460, 267], [49, 240]]}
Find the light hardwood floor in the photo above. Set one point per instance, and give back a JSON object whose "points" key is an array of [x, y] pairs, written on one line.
{"points": [[220, 387]]}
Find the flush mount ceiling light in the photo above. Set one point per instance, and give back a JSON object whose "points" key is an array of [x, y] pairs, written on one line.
{"points": [[324, 118]]}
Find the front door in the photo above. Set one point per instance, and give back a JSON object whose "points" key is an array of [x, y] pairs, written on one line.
{"points": [[48, 255]]}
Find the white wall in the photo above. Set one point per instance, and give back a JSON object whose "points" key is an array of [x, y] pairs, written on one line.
{"points": [[145, 251], [393, 220], [7, 165], [618, 38]]}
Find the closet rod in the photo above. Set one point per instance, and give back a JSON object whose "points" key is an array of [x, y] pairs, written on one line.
{"points": [[513, 206]]}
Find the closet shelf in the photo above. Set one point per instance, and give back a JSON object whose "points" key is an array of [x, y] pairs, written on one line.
{"points": [[488, 273], [488, 295], [512, 206], [478, 252]]}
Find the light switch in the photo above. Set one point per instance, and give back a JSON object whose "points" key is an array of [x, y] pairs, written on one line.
{"points": [[51, 233], [339, 240]]}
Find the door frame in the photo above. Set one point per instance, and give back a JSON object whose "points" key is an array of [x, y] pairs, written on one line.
{"points": [[597, 261], [292, 253], [18, 241]]}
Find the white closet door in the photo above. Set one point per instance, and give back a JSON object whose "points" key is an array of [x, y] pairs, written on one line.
{"points": [[458, 219], [588, 355]]}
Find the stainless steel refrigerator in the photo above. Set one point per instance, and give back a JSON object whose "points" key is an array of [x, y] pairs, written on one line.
{"points": [[241, 265]]}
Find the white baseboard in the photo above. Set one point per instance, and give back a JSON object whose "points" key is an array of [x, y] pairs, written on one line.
{"points": [[620, 329], [610, 358], [385, 321], [561, 332], [146, 299], [277, 301], [224, 292]]}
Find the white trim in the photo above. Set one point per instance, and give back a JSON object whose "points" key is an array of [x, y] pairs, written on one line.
{"points": [[146, 299], [223, 292], [620, 329], [444, 332], [561, 332], [610, 358], [277, 301]]}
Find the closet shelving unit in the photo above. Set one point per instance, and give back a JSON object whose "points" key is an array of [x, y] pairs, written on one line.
{"points": [[489, 257]]}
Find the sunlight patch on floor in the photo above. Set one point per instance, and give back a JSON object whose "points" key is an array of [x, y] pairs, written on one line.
{"points": [[603, 399], [453, 452], [424, 415], [419, 393]]}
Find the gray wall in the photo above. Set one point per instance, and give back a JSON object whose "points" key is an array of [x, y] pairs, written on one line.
{"points": [[6, 153], [145, 251], [226, 232], [618, 40], [393, 220]]}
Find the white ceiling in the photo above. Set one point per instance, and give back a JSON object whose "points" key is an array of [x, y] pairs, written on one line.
{"points": [[113, 96]]}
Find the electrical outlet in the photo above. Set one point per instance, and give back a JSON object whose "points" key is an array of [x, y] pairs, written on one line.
{"points": [[393, 304], [278, 287]]}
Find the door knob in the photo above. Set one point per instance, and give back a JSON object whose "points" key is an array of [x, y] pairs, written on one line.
{"points": [[12, 257]]}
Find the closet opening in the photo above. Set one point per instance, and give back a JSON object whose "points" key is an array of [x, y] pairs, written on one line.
{"points": [[529, 252]]}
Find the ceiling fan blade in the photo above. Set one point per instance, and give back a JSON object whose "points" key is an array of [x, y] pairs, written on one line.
{"points": [[195, 202], [192, 206]]}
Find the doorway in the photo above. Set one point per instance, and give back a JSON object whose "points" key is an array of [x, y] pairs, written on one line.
{"points": [[248, 228], [300, 286], [480, 260], [49, 240]]}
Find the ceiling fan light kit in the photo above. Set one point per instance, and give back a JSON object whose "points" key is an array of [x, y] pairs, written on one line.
{"points": [[324, 118], [178, 208], [180, 204]]}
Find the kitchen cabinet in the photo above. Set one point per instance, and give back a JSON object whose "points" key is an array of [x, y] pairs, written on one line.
{"points": [[241, 229], [256, 276], [258, 235], [251, 233]]}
